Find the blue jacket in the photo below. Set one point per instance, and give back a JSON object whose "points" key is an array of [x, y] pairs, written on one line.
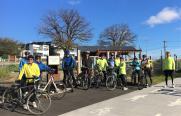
{"points": [[21, 63], [111, 62], [43, 67], [136, 65], [68, 63]]}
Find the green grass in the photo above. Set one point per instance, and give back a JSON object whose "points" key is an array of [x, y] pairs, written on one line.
{"points": [[6, 70], [161, 78]]}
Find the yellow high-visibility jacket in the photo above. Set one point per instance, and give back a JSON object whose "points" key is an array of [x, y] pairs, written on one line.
{"points": [[29, 70], [102, 63], [122, 68], [117, 62], [168, 64]]}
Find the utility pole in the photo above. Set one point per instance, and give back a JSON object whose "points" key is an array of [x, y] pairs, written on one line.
{"points": [[161, 61], [164, 47]]}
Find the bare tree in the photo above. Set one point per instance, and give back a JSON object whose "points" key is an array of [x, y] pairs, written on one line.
{"points": [[117, 35], [64, 27]]}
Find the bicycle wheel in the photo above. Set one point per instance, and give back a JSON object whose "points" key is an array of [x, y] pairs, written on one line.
{"points": [[85, 82], [111, 82], [98, 81], [8, 99], [57, 92], [38, 103]]}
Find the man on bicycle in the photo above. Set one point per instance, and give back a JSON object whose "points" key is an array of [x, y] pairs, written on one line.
{"points": [[87, 63], [111, 61], [136, 70], [117, 63], [68, 65], [102, 65], [30, 70], [122, 73], [147, 68]]}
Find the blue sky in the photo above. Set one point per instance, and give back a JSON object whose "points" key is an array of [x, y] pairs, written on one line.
{"points": [[151, 20]]}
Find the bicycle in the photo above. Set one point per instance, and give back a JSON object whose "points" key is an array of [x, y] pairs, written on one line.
{"points": [[97, 78], [17, 95], [56, 89], [84, 81], [112, 82]]}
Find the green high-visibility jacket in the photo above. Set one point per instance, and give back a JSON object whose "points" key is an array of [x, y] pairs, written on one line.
{"points": [[168, 64], [117, 62], [102, 63], [122, 68]]}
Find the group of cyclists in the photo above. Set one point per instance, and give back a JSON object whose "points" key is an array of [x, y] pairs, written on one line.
{"points": [[31, 67]]}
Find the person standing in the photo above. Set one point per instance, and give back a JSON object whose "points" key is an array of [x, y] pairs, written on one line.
{"points": [[68, 65], [87, 63], [122, 73], [168, 68], [147, 68]]}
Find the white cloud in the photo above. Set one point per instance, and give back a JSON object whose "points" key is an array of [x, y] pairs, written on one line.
{"points": [[166, 15], [73, 2]]}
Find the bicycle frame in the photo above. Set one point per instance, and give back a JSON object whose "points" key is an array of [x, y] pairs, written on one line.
{"points": [[51, 80]]}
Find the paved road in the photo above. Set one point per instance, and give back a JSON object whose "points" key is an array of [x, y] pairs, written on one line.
{"points": [[154, 101], [75, 100]]}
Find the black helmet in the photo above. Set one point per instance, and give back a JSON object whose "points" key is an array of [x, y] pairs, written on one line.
{"points": [[37, 57], [30, 56]]}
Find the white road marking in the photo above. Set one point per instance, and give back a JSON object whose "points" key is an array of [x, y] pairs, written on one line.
{"points": [[176, 103], [133, 99], [159, 114], [101, 111]]}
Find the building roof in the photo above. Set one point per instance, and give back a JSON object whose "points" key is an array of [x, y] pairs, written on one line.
{"points": [[41, 43], [107, 48]]}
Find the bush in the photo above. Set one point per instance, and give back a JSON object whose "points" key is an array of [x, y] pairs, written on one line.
{"points": [[4, 72], [13, 68]]}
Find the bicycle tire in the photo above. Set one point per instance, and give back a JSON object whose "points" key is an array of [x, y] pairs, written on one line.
{"points": [[111, 83], [42, 100], [7, 99], [59, 93], [85, 82]]}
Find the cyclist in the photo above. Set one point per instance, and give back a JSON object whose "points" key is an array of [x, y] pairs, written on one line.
{"points": [[111, 61], [136, 70], [87, 63], [23, 60], [68, 65], [147, 68], [117, 62], [42, 67], [122, 73], [168, 68], [102, 65], [30, 70]]}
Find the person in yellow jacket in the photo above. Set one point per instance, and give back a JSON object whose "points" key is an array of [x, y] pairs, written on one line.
{"points": [[102, 64], [168, 68], [30, 70], [117, 62], [122, 73]]}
